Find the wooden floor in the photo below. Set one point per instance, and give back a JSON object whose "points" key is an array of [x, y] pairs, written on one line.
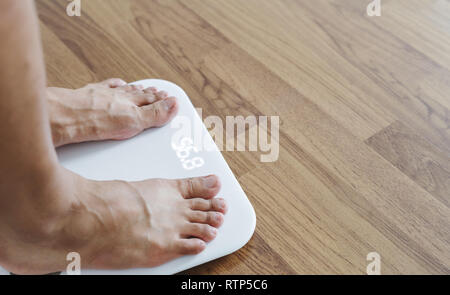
{"points": [[364, 106]]}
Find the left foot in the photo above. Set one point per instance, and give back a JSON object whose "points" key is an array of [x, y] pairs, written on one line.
{"points": [[111, 109]]}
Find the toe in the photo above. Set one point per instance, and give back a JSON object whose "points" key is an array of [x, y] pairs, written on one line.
{"points": [[143, 99], [158, 113], [212, 218], [216, 204], [198, 230], [131, 88], [161, 94], [152, 90], [158, 95], [114, 82], [137, 88], [189, 246], [199, 187]]}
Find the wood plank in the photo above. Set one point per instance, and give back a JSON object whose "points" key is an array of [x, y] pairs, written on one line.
{"points": [[422, 25], [416, 157], [415, 86], [64, 69], [411, 212], [91, 44]]}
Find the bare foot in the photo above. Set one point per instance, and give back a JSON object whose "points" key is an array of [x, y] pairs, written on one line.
{"points": [[107, 110], [116, 225]]}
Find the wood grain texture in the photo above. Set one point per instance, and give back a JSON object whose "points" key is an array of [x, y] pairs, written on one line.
{"points": [[363, 105], [416, 157]]}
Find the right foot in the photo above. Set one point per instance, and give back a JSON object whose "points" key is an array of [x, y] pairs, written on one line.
{"points": [[116, 225]]}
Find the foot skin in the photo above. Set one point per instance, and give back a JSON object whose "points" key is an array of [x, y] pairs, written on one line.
{"points": [[117, 225], [111, 109]]}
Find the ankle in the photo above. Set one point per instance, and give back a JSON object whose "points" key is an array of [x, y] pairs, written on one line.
{"points": [[48, 226], [36, 207], [54, 115]]}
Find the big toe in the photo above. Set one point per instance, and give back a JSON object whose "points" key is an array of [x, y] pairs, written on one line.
{"points": [[199, 187], [158, 113]]}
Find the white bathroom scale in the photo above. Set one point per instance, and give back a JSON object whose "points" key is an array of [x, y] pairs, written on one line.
{"points": [[173, 151]]}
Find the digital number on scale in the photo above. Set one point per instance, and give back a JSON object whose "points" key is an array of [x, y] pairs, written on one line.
{"points": [[184, 150]]}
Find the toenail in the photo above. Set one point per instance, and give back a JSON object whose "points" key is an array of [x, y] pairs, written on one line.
{"points": [[222, 204], [210, 181], [169, 103], [214, 231]]}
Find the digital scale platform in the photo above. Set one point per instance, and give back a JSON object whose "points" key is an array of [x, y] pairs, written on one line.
{"points": [[182, 148]]}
